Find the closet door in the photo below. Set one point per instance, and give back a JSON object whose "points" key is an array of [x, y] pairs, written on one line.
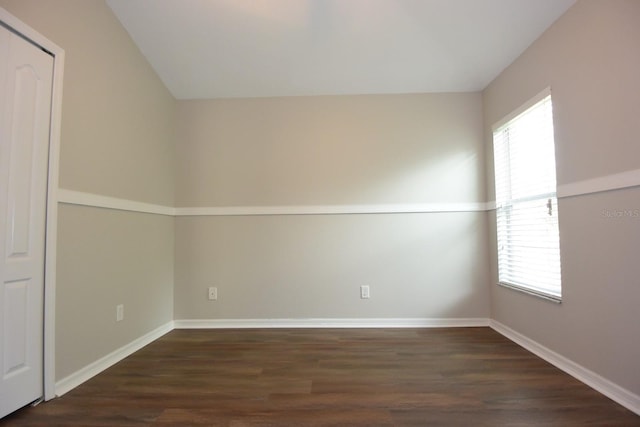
{"points": [[25, 110]]}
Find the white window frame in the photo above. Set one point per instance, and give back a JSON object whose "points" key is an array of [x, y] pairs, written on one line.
{"points": [[514, 272]]}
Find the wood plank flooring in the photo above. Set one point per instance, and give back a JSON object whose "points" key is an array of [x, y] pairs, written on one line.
{"points": [[330, 377]]}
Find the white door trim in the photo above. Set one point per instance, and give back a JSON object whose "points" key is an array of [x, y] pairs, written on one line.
{"points": [[35, 37]]}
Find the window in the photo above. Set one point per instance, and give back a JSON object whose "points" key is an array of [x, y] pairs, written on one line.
{"points": [[526, 203]]}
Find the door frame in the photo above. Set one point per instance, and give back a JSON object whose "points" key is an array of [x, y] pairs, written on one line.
{"points": [[14, 24]]}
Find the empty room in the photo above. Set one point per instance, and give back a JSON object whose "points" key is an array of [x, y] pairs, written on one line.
{"points": [[320, 212]]}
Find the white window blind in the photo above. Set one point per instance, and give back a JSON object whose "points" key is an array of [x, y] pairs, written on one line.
{"points": [[527, 207]]}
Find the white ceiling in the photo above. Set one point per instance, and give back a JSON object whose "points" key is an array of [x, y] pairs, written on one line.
{"points": [[257, 48]]}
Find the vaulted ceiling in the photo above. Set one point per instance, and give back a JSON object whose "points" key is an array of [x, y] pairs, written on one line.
{"points": [[257, 48]]}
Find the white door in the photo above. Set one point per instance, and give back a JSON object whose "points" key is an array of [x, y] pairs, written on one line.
{"points": [[25, 109]]}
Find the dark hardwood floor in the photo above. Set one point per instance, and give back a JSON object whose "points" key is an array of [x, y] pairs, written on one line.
{"points": [[322, 377]]}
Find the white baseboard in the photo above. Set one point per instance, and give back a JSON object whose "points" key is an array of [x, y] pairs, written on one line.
{"points": [[613, 391], [72, 381], [329, 323], [618, 394]]}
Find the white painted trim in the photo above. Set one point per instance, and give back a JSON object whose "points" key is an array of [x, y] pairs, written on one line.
{"points": [[96, 200], [52, 188], [29, 33], [613, 391], [52, 229], [616, 181], [331, 209], [329, 323], [72, 381], [620, 395]]}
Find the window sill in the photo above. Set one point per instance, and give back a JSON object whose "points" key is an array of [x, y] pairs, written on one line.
{"points": [[549, 297]]}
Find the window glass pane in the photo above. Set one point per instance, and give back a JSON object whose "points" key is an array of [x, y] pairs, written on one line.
{"points": [[527, 211]]}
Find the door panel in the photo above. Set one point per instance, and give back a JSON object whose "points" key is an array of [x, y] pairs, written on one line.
{"points": [[15, 344], [21, 148], [25, 106]]}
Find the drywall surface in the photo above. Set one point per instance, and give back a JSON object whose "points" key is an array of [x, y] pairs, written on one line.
{"points": [[312, 266], [346, 152], [591, 61], [117, 116], [117, 141], [108, 258], [330, 150]]}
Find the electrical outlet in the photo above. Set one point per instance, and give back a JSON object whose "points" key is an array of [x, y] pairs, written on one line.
{"points": [[213, 293], [364, 292], [119, 312]]}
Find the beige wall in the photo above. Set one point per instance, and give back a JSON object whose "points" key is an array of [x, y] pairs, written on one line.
{"points": [[117, 116], [591, 60], [330, 150], [342, 150], [108, 258], [117, 140], [311, 266]]}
